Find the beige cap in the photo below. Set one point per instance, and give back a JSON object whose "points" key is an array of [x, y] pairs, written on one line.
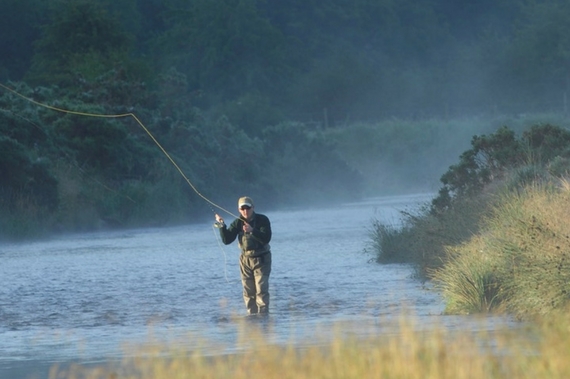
{"points": [[245, 201]]}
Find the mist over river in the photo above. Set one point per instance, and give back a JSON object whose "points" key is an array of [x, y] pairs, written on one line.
{"points": [[83, 298]]}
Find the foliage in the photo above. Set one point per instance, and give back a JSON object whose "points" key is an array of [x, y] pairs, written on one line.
{"points": [[226, 48], [24, 177], [498, 162], [82, 42], [494, 237], [19, 28], [423, 238], [539, 51], [470, 279], [519, 261], [491, 157], [101, 169], [220, 84], [360, 60], [391, 152]]}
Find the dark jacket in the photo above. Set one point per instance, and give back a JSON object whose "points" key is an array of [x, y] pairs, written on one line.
{"points": [[251, 244]]}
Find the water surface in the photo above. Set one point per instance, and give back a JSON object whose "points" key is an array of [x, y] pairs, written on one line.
{"points": [[84, 297]]}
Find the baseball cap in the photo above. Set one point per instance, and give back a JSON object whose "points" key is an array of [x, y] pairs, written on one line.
{"points": [[245, 201]]}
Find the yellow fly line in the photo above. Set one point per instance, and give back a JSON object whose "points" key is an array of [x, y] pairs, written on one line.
{"points": [[122, 116]]}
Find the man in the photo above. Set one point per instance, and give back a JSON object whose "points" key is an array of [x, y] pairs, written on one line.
{"points": [[253, 232]]}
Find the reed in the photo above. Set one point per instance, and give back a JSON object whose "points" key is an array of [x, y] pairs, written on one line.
{"points": [[538, 351]]}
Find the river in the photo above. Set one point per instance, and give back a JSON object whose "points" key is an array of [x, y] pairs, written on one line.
{"points": [[83, 298]]}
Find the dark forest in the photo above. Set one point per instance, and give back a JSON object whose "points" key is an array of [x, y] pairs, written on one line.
{"points": [[292, 102]]}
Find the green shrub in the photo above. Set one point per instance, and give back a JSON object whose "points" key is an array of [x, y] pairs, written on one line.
{"points": [[423, 239], [519, 262]]}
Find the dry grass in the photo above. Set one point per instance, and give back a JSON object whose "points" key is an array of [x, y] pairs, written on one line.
{"points": [[540, 352]]}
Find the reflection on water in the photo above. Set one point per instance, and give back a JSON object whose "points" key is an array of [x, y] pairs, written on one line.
{"points": [[84, 296]]}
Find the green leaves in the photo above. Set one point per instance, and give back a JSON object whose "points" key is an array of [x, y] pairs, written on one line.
{"points": [[492, 156], [22, 177], [226, 48], [82, 40]]}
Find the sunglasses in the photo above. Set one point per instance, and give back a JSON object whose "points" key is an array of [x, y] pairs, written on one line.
{"points": [[244, 208]]}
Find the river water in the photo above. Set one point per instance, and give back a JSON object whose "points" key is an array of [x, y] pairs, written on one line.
{"points": [[83, 298]]}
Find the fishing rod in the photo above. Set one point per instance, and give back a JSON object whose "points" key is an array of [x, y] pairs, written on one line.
{"points": [[123, 115]]}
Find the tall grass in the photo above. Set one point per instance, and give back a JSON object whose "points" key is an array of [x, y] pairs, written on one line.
{"points": [[519, 262], [407, 352], [469, 281], [423, 238]]}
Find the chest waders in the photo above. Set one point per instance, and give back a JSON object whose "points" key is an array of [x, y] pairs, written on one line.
{"points": [[255, 268]]}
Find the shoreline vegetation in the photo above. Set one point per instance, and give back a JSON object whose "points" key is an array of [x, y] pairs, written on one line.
{"points": [[538, 350], [65, 173], [496, 238]]}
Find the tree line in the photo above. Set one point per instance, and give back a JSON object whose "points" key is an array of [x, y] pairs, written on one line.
{"points": [[291, 60], [258, 97]]}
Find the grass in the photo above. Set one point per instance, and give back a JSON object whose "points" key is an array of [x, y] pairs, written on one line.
{"points": [[539, 351], [423, 238], [469, 280], [520, 261], [504, 250]]}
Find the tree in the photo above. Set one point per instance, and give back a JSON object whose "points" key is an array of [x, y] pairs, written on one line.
{"points": [[226, 48], [81, 40], [19, 29], [24, 179], [539, 57]]}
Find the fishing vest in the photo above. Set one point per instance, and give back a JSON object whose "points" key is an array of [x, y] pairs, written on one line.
{"points": [[251, 246]]}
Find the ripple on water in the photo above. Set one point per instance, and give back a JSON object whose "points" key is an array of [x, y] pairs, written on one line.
{"points": [[86, 296]]}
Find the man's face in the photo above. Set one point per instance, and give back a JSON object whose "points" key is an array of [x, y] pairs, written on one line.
{"points": [[246, 211]]}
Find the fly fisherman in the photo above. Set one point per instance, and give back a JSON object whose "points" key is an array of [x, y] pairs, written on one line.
{"points": [[253, 232]]}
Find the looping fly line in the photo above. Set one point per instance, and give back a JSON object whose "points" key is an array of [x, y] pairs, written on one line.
{"points": [[123, 116]]}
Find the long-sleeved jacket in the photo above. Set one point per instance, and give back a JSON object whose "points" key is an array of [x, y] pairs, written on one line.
{"points": [[251, 244]]}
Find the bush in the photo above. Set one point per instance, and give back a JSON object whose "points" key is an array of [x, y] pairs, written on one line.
{"points": [[519, 262], [496, 163], [424, 238]]}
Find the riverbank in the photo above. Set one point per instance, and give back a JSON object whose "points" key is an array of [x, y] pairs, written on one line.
{"points": [[496, 238]]}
